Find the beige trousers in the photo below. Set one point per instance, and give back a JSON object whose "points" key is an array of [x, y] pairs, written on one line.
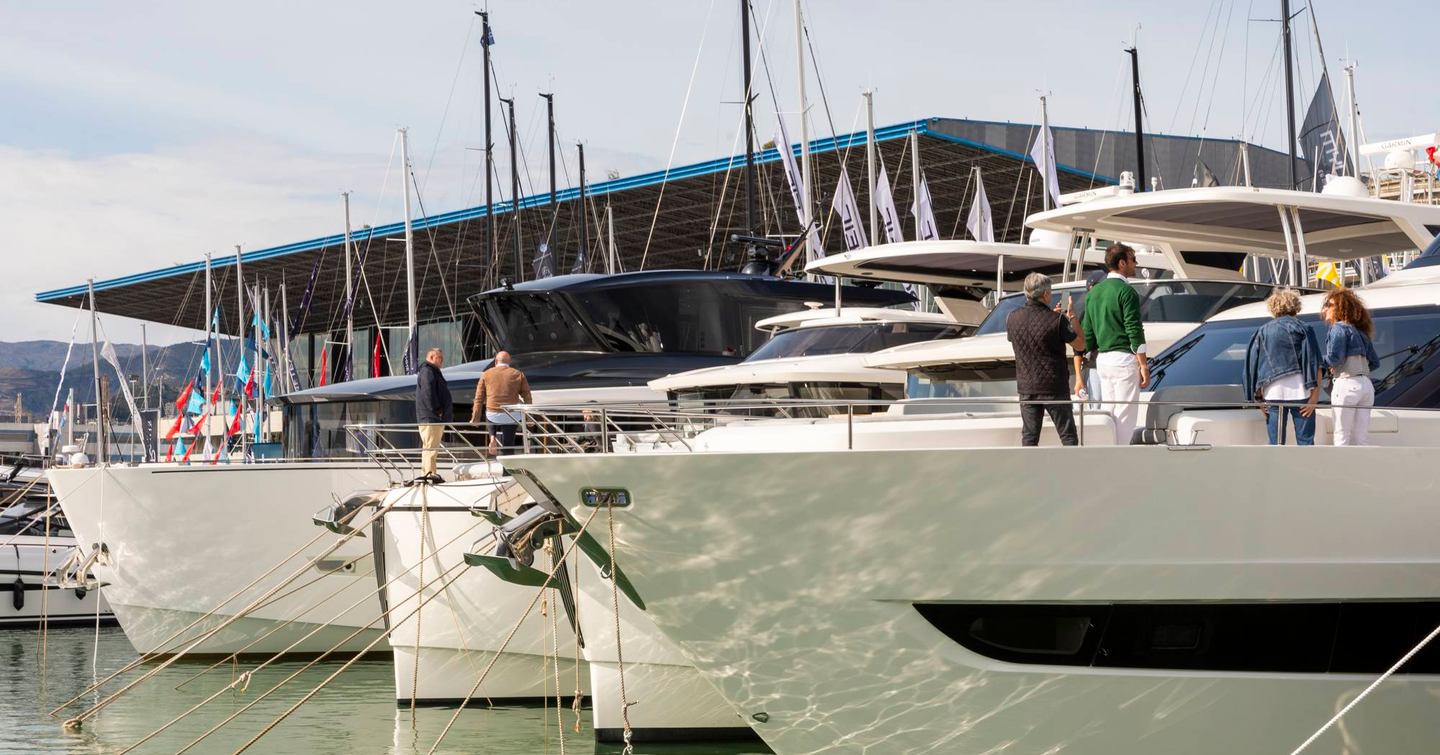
{"points": [[430, 442]]}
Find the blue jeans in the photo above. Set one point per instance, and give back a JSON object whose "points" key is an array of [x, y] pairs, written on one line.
{"points": [[1304, 426]]}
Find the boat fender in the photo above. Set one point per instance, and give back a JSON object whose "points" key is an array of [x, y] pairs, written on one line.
{"points": [[17, 593], [80, 592]]}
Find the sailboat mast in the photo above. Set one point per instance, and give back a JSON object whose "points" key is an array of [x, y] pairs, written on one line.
{"points": [[1140, 177], [869, 95], [349, 285], [805, 168], [749, 119], [95, 364], [1289, 90], [550, 139], [584, 217], [611, 257], [515, 191], [411, 347], [490, 241]]}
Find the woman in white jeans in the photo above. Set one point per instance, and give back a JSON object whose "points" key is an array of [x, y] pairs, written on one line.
{"points": [[1350, 355]]}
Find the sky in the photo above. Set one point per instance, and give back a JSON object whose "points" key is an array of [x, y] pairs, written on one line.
{"points": [[140, 135]]}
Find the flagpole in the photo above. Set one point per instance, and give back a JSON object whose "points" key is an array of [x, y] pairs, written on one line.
{"points": [[349, 288], [869, 95], [104, 448], [240, 334], [411, 347], [1045, 153], [806, 212], [145, 366], [1354, 120], [209, 307], [285, 338]]}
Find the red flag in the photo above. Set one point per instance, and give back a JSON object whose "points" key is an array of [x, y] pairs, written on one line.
{"points": [[324, 353], [175, 428], [184, 400], [375, 357], [234, 427], [199, 429]]}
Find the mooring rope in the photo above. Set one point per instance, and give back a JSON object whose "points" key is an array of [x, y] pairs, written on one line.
{"points": [[75, 721], [277, 656], [1363, 694], [383, 635], [619, 653], [506, 643]]}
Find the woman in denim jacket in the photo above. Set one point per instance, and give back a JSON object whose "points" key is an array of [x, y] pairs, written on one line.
{"points": [[1282, 369], [1350, 355]]}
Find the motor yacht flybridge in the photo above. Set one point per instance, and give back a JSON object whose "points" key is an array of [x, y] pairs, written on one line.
{"points": [[817, 354], [1196, 593], [223, 558]]}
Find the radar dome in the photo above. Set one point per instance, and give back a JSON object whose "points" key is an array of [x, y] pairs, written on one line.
{"points": [[1049, 239], [1400, 159], [1344, 186]]}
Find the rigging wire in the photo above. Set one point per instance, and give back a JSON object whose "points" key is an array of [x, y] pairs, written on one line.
{"points": [[675, 143]]}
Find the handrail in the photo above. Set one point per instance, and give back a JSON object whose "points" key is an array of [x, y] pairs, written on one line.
{"points": [[612, 426]]}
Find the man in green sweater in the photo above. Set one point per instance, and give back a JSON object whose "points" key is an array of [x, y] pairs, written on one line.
{"points": [[1112, 327]]}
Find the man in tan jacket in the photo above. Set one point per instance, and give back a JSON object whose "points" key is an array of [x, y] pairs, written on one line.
{"points": [[498, 387]]}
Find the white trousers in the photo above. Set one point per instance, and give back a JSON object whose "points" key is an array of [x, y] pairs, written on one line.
{"points": [[1120, 381], [1352, 398]]}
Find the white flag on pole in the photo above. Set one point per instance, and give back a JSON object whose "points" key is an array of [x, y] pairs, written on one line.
{"points": [[885, 204], [108, 352], [924, 210], [1043, 153], [849, 213], [980, 223], [797, 192], [792, 171]]}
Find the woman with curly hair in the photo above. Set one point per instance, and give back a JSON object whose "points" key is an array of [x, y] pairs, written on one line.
{"points": [[1283, 370], [1350, 355]]}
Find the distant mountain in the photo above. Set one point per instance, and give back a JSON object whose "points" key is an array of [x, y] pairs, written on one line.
{"points": [[31, 369]]}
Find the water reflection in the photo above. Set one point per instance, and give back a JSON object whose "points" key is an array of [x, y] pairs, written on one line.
{"points": [[354, 714]]}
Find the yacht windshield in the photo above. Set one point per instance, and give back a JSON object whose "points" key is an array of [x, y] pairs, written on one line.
{"points": [[861, 338], [702, 318], [1407, 338], [1168, 300], [532, 322]]}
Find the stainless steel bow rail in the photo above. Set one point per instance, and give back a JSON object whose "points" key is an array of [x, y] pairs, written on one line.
{"points": [[605, 427]]}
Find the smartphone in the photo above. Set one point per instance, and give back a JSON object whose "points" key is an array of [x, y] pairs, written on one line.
{"points": [[1065, 307]]}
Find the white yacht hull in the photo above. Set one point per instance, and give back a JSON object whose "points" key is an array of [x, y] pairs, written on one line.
{"points": [[184, 541], [442, 650], [31, 595], [789, 580], [465, 622]]}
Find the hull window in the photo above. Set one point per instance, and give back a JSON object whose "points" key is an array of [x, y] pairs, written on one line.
{"points": [[1333, 637]]}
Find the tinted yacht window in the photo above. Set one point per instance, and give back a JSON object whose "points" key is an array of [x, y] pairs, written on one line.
{"points": [[1166, 300], [851, 339], [1407, 338]]}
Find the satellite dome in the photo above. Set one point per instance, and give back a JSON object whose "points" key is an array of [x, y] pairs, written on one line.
{"points": [[1051, 239], [1400, 159], [1344, 186]]}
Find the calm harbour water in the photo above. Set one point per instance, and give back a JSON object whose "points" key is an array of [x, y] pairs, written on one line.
{"points": [[356, 713]]}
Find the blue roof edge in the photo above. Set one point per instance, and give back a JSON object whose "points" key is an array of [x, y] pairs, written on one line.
{"points": [[829, 144]]}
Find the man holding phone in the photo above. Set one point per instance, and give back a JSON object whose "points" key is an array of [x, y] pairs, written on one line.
{"points": [[1039, 335], [1112, 327]]}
